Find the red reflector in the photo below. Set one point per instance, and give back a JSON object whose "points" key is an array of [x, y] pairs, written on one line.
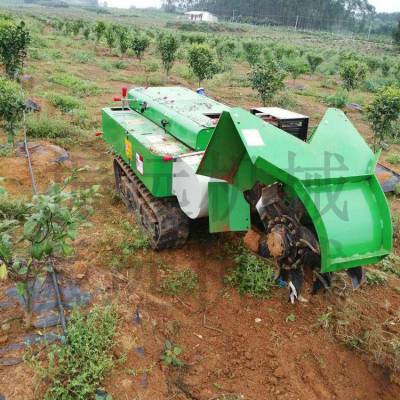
{"points": [[117, 98], [167, 158], [98, 133], [124, 91], [140, 157]]}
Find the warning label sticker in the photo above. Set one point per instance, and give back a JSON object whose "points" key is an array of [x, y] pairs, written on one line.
{"points": [[128, 148], [139, 163]]}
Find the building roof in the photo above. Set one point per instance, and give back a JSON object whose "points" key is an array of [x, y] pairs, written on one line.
{"points": [[197, 12]]}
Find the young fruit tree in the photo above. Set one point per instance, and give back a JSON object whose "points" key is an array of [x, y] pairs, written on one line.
{"points": [[267, 79], [86, 31], [47, 229], [396, 35], [252, 51], [14, 42], [314, 60], [168, 46], [12, 106], [77, 26], [383, 113], [110, 37], [352, 73], [122, 33], [100, 30], [139, 45], [296, 67], [202, 62]]}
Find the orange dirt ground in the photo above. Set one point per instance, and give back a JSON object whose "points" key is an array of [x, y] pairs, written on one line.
{"points": [[232, 345]]}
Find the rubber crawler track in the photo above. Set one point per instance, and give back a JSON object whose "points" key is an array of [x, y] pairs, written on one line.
{"points": [[165, 223]]}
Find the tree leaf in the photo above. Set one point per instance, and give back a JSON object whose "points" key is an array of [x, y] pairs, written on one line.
{"points": [[21, 289], [3, 272]]}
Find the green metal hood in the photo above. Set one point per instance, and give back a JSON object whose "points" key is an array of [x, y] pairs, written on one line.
{"points": [[189, 116], [333, 175]]}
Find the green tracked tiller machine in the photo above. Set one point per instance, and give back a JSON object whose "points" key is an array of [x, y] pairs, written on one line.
{"points": [[181, 155]]}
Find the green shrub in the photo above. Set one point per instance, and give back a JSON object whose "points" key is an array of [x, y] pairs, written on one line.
{"points": [[99, 30], [75, 369], [296, 67], [384, 112], [202, 61], [353, 73], [385, 66], [337, 100], [64, 103], [11, 208], [267, 79], [12, 106], [252, 275], [46, 127], [179, 282], [14, 42], [167, 46], [252, 51], [314, 60], [110, 36], [139, 45]]}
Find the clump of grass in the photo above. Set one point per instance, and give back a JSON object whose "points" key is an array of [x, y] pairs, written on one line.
{"points": [[78, 86], [136, 239], [179, 282], [328, 84], [252, 275], [51, 128], [83, 58], [374, 338], [128, 240], [325, 320], [6, 150], [11, 208], [75, 369], [66, 104], [120, 64], [285, 99], [375, 278], [337, 100], [170, 355], [390, 265], [394, 159]]}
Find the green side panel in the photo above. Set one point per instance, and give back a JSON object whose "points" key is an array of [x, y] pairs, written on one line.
{"points": [[333, 175], [228, 209], [142, 144], [187, 113]]}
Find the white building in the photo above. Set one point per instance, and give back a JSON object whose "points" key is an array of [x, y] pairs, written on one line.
{"points": [[201, 16]]}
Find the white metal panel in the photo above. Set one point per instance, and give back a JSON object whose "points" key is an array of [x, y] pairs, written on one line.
{"points": [[190, 189], [279, 113]]}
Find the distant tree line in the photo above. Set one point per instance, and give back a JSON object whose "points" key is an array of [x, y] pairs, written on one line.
{"points": [[307, 14], [66, 3], [385, 23]]}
